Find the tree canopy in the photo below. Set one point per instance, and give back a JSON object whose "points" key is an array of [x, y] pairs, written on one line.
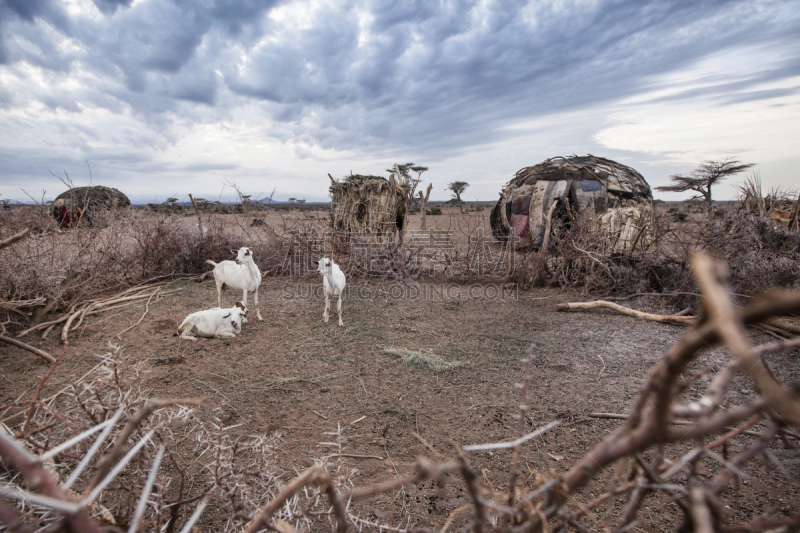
{"points": [[704, 177], [458, 188]]}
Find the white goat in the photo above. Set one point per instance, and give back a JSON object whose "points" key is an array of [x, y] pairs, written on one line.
{"points": [[214, 323], [240, 274], [333, 282]]}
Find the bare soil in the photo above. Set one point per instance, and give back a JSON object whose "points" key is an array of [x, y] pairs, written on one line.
{"points": [[297, 376]]}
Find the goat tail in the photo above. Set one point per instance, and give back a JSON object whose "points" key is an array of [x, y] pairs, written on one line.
{"points": [[210, 262]]}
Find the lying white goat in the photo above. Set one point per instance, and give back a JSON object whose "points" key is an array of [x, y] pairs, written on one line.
{"points": [[333, 282], [240, 274], [214, 323]]}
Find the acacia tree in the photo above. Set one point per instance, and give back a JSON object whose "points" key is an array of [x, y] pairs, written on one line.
{"points": [[406, 176], [458, 188], [704, 177]]}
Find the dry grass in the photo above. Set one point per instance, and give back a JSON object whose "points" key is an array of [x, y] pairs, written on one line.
{"points": [[424, 360]]}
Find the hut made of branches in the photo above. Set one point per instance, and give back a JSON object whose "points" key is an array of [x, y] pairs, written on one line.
{"points": [[617, 195], [368, 204]]}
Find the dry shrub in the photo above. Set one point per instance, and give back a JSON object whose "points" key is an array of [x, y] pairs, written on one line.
{"points": [[121, 249], [530, 270], [61, 264], [761, 254], [166, 246]]}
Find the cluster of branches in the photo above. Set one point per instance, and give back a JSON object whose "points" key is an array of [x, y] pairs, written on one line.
{"points": [[761, 253], [46, 271], [664, 414]]}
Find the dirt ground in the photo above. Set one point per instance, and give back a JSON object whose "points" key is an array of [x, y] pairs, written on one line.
{"points": [[297, 376]]}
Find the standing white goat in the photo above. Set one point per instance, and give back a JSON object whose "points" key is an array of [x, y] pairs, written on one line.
{"points": [[214, 323], [240, 274], [333, 282]]}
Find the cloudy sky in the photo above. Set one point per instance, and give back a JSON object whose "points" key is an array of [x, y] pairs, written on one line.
{"points": [[165, 98]]}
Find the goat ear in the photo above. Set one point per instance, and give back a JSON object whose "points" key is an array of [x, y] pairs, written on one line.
{"points": [[226, 316], [233, 252]]}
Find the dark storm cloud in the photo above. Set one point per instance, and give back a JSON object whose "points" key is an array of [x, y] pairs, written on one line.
{"points": [[109, 7], [381, 75], [29, 10], [451, 76]]}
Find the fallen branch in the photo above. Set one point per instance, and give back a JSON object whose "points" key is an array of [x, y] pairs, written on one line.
{"points": [[95, 306], [603, 304], [616, 416], [783, 323], [146, 309], [86, 312], [314, 476], [22, 303], [14, 238], [19, 344]]}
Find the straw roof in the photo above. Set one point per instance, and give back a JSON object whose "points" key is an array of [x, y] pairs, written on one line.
{"points": [[96, 196]]}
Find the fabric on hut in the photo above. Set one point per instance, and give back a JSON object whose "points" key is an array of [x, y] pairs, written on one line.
{"points": [[368, 205], [589, 184]]}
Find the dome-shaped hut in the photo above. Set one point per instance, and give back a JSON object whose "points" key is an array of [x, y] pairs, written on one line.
{"points": [[71, 205], [616, 193]]}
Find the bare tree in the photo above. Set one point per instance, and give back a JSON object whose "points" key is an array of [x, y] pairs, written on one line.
{"points": [[458, 188], [704, 177]]}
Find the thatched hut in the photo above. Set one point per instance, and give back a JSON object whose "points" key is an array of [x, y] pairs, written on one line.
{"points": [[368, 204], [564, 186], [71, 205]]}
